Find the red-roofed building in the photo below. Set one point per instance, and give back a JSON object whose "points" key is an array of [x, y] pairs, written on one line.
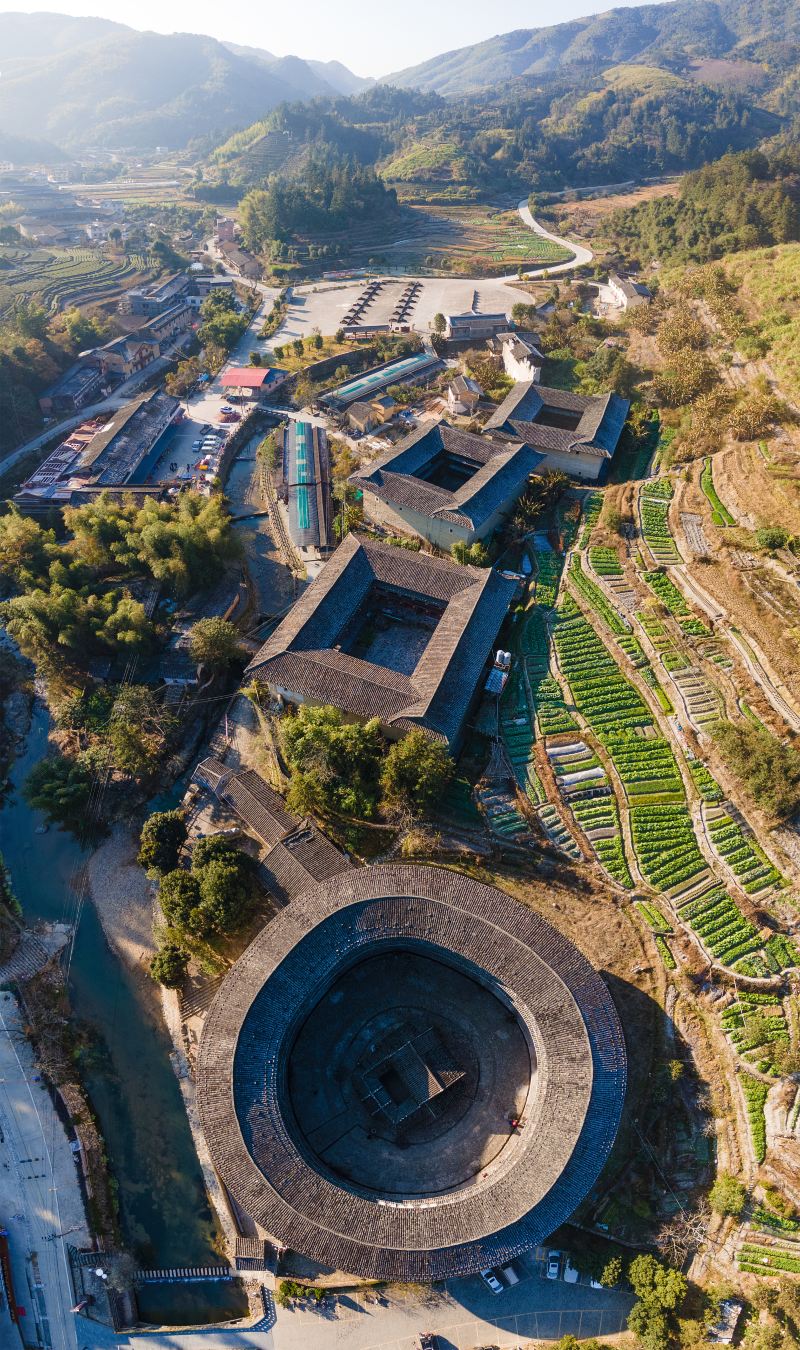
{"points": [[253, 382]]}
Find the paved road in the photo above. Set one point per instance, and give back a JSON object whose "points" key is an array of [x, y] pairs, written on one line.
{"points": [[39, 1193], [581, 258]]}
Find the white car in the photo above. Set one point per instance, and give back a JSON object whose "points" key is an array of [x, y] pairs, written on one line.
{"points": [[570, 1273], [595, 1284], [491, 1281], [553, 1265]]}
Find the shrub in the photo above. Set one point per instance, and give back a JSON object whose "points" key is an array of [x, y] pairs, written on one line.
{"points": [[727, 1195]]}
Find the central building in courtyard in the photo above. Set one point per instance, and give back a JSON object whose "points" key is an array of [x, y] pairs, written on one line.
{"points": [[363, 1064]]}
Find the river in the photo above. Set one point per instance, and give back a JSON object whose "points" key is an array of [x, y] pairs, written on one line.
{"points": [[165, 1214]]}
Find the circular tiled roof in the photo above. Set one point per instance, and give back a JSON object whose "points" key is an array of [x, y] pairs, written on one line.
{"points": [[530, 1188]]}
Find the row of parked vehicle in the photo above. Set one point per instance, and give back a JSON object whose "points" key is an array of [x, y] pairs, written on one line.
{"points": [[557, 1267]]}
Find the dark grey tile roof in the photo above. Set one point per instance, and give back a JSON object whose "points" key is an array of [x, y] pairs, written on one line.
{"points": [[301, 656], [602, 417], [517, 1200], [259, 806], [302, 859], [501, 474]]}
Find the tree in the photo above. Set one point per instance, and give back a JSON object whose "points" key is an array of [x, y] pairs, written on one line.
{"points": [[335, 764], [415, 773], [168, 966], [179, 896], [470, 555], [727, 1195], [25, 548], [225, 895], [214, 848], [214, 644], [650, 1326], [61, 788], [439, 323], [137, 730], [612, 1272], [657, 1284], [161, 840]]}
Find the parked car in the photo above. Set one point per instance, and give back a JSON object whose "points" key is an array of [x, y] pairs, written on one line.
{"points": [[427, 1341], [570, 1273], [553, 1265], [509, 1274], [491, 1281], [596, 1284]]}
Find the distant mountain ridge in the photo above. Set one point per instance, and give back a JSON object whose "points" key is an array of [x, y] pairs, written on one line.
{"points": [[81, 82], [675, 32]]}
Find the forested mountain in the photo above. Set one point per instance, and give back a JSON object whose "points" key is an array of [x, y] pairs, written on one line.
{"points": [[82, 82], [628, 123], [682, 35], [741, 202]]}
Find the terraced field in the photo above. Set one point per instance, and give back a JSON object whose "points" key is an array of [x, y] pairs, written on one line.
{"points": [[654, 500], [60, 278]]}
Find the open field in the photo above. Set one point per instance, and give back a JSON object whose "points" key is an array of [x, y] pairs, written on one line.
{"points": [[586, 217], [56, 278]]}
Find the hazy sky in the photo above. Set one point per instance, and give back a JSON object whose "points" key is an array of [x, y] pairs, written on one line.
{"points": [[372, 37]]}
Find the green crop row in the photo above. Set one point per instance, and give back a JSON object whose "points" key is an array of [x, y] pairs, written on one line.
{"points": [[632, 650], [664, 951], [552, 714], [723, 929], [658, 487], [667, 592], [706, 784], [645, 764], [653, 916], [592, 593], [600, 691], [605, 562], [742, 855], [781, 953], [767, 1219], [549, 566], [767, 1261], [695, 628], [592, 507], [755, 1096], [654, 515], [720, 514], [665, 845]]}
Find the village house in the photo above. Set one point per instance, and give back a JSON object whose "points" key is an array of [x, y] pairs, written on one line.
{"points": [[626, 293], [445, 485], [576, 433], [385, 632], [463, 395], [520, 354]]}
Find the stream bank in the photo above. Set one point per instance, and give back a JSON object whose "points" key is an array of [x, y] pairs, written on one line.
{"points": [[165, 1216]]}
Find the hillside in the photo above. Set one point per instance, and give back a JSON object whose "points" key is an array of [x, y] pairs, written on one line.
{"points": [[83, 82], [628, 122], [675, 34]]}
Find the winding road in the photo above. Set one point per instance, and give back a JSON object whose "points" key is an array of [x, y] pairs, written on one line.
{"points": [[582, 255]]}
